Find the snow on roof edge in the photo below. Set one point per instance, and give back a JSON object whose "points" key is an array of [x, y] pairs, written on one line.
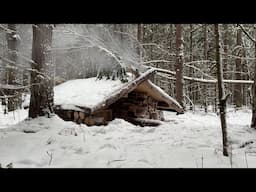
{"points": [[161, 91]]}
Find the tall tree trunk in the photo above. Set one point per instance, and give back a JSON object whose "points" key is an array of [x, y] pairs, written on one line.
{"points": [[171, 66], [41, 101], [12, 79], [206, 58], [225, 47], [179, 65], [140, 39], [238, 61], [253, 122], [122, 30], [222, 97], [244, 77], [191, 92]]}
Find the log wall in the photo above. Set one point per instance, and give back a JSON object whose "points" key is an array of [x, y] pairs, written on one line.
{"points": [[136, 105]]}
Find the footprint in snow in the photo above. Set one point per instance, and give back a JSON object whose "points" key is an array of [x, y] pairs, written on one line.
{"points": [[203, 145], [145, 162], [50, 141], [151, 130], [108, 146], [80, 150], [31, 162]]}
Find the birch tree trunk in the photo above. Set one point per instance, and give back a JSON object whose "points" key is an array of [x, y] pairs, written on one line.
{"points": [[179, 65], [222, 97], [41, 101]]}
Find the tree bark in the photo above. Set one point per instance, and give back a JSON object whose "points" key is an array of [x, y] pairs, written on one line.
{"points": [[206, 58], [179, 65], [191, 93], [225, 47], [253, 122], [222, 97], [238, 62], [12, 79], [41, 101], [140, 39]]}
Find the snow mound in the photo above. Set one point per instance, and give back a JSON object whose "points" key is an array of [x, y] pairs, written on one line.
{"points": [[41, 123]]}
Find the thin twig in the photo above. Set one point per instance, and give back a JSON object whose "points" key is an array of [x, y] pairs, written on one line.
{"points": [[231, 156], [50, 155], [246, 159], [202, 158]]}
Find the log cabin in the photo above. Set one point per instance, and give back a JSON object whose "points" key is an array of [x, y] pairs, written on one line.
{"points": [[97, 102]]}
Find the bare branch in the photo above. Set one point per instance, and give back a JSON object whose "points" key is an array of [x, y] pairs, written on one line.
{"points": [[172, 73], [158, 46], [247, 34], [15, 87]]}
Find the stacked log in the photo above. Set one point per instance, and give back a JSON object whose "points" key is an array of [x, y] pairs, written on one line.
{"points": [[137, 105], [67, 115], [89, 121], [101, 117]]}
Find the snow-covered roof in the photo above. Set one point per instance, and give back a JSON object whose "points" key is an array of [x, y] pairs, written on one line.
{"points": [[84, 92], [92, 94]]}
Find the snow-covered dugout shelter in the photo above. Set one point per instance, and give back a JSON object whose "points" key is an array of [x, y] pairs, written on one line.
{"points": [[96, 102]]}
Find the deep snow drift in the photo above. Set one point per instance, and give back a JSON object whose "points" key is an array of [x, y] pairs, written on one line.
{"points": [[189, 140]]}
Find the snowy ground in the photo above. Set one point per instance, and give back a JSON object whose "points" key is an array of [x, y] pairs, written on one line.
{"points": [[187, 141]]}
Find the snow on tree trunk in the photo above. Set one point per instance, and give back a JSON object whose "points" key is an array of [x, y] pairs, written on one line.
{"points": [[41, 101], [222, 97], [12, 79], [179, 65], [238, 62]]}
